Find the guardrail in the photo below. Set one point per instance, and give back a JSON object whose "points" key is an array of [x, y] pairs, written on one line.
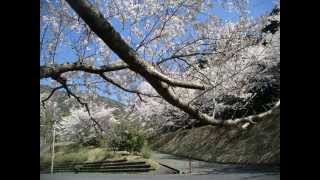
{"points": [[176, 171]]}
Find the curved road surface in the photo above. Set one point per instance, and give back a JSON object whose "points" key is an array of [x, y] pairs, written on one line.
{"points": [[200, 171], [232, 176], [202, 167]]}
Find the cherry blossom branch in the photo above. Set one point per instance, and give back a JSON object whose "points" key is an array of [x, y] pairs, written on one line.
{"points": [[63, 83], [161, 83], [143, 43], [103, 76]]}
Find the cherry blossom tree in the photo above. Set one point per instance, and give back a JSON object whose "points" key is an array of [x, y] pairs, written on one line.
{"points": [[77, 127], [119, 45]]}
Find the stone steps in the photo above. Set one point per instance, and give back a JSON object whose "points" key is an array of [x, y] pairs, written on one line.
{"points": [[103, 166], [110, 167], [104, 170]]}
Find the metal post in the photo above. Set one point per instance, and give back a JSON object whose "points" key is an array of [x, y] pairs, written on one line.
{"points": [[190, 167], [214, 99], [53, 142]]}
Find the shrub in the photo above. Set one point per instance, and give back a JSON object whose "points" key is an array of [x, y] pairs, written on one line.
{"points": [[126, 138]]}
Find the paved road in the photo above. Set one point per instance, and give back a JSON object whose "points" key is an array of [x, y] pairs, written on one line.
{"points": [[233, 176], [200, 171], [182, 164], [202, 167]]}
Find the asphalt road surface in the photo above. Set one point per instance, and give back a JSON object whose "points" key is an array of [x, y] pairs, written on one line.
{"points": [[232, 176], [200, 171], [202, 167]]}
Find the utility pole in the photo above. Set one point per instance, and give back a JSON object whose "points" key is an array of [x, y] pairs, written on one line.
{"points": [[214, 103], [53, 141], [190, 166]]}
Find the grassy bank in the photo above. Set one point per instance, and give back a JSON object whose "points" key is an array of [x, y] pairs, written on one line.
{"points": [[75, 153]]}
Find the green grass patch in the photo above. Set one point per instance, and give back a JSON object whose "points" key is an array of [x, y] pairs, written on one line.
{"points": [[76, 154]]}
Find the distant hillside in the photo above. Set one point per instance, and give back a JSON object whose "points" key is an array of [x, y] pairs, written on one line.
{"points": [[65, 103], [60, 96], [67, 106]]}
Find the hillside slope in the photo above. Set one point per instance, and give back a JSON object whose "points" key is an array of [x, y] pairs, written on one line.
{"points": [[257, 145]]}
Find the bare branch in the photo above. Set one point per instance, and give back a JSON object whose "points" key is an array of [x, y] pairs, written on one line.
{"points": [[51, 93], [180, 56], [57, 69]]}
